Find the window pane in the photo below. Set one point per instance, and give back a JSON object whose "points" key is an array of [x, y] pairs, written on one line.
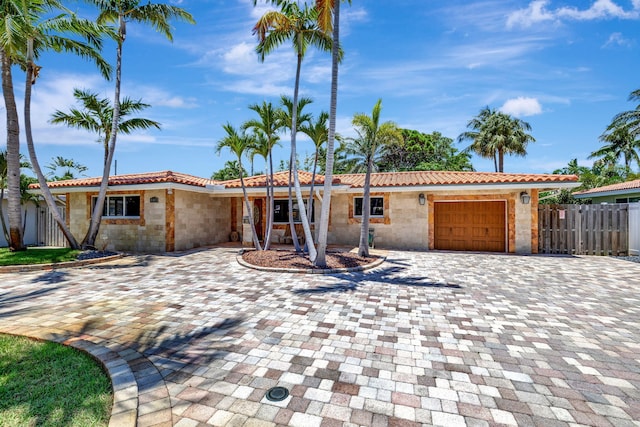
{"points": [[132, 206], [357, 206], [377, 206], [281, 211]]}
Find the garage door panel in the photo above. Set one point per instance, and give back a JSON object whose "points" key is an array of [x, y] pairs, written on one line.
{"points": [[474, 226]]}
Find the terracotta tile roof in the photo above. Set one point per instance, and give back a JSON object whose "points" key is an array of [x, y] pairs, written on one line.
{"points": [[133, 179], [420, 178], [280, 179], [629, 185]]}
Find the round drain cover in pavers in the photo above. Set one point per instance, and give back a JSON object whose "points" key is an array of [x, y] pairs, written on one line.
{"points": [[277, 394]]}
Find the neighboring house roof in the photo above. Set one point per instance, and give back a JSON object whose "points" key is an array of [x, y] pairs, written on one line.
{"points": [[134, 179], [619, 188]]}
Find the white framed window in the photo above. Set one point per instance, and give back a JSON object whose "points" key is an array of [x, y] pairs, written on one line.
{"points": [[125, 206], [376, 206]]}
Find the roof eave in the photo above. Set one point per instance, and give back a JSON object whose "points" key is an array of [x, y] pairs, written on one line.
{"points": [[606, 193]]}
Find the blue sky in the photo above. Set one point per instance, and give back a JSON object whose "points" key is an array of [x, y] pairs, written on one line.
{"points": [[566, 67]]}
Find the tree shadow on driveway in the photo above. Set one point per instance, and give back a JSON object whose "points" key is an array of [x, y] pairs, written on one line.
{"points": [[8, 301], [392, 275]]}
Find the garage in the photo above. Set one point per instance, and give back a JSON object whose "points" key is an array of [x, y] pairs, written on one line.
{"points": [[470, 226]]}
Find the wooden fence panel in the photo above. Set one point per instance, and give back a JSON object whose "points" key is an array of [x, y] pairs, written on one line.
{"points": [[49, 234], [584, 229], [634, 229]]}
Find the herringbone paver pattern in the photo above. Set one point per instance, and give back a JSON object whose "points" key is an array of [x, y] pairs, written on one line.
{"points": [[427, 338]]}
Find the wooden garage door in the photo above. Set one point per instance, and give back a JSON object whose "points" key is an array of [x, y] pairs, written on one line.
{"points": [[470, 226]]}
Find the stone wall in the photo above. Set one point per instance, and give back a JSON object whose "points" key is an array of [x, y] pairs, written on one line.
{"points": [[406, 223], [201, 220], [146, 234]]}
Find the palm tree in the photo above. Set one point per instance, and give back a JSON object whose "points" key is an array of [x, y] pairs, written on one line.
{"points": [[630, 118], [11, 39], [494, 134], [68, 166], [318, 132], [286, 121], [119, 13], [373, 136], [261, 146], [268, 124], [300, 25], [620, 143], [28, 31], [96, 115], [329, 21], [239, 144]]}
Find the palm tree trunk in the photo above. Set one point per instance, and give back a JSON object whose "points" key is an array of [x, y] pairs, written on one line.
{"points": [[323, 228], [15, 241], [495, 161], [267, 238], [292, 223], [89, 240], [296, 179], [254, 234], [500, 161], [363, 247], [269, 177], [4, 224], [313, 181], [35, 165]]}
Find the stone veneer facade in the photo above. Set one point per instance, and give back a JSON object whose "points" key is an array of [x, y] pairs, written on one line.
{"points": [[178, 220], [408, 225]]}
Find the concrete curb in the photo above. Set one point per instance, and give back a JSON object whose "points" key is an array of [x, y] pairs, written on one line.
{"points": [[57, 265], [374, 264]]}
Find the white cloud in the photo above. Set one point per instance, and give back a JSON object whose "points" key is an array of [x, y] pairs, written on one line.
{"points": [[538, 12], [599, 9], [617, 39], [534, 14], [522, 106]]}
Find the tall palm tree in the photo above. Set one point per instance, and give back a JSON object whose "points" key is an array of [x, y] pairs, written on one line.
{"points": [[329, 22], [286, 121], [11, 41], [119, 13], [318, 132], [372, 137], [268, 125], [239, 144], [630, 118], [260, 146], [96, 115], [494, 134], [620, 143], [30, 30], [300, 25]]}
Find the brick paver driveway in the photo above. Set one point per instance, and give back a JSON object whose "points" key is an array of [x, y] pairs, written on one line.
{"points": [[448, 339]]}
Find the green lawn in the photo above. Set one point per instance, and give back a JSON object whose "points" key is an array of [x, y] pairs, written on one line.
{"points": [[35, 255], [48, 384]]}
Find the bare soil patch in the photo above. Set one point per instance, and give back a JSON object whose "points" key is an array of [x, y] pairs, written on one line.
{"points": [[291, 259]]}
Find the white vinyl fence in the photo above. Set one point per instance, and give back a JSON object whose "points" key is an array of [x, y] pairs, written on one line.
{"points": [[634, 228]]}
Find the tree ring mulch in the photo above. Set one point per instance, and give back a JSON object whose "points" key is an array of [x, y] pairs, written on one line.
{"points": [[289, 260]]}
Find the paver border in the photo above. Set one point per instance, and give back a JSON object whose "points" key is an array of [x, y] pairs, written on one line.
{"points": [[57, 265]]}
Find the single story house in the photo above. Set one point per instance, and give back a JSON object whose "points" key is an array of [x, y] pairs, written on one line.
{"points": [[622, 192], [169, 211]]}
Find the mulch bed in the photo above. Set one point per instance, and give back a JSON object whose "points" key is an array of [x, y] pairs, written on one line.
{"points": [[291, 259]]}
